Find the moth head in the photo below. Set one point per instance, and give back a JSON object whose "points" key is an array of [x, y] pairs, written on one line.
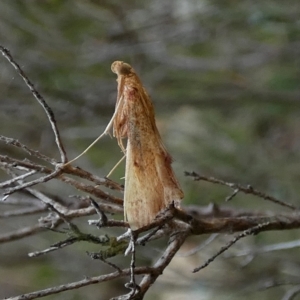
{"points": [[121, 68]]}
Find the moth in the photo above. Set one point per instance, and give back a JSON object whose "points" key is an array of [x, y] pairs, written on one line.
{"points": [[150, 183]]}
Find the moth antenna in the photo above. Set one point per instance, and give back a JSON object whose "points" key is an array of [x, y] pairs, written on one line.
{"points": [[106, 131]]}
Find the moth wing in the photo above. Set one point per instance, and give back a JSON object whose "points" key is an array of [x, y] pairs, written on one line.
{"points": [[143, 197]]}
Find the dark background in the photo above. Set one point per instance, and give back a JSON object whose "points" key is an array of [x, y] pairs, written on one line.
{"points": [[224, 77]]}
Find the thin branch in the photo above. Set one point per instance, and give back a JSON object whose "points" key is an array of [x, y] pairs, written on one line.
{"points": [[209, 240], [292, 293], [27, 165], [175, 242], [53, 223], [79, 236], [97, 192], [102, 217], [155, 233], [230, 197], [237, 187], [47, 200], [100, 257], [23, 212], [221, 225], [98, 180], [250, 231], [22, 186], [17, 178], [32, 152], [134, 288], [23, 164], [81, 283], [41, 100], [20, 233], [268, 248], [21, 202]]}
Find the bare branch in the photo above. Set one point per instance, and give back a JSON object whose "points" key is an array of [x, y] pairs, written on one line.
{"points": [[81, 283], [253, 230], [97, 192], [17, 178], [23, 212], [100, 257], [31, 183], [27, 165], [32, 152], [211, 238], [86, 175], [218, 225], [237, 187], [20, 233], [268, 248], [176, 240], [292, 293]]}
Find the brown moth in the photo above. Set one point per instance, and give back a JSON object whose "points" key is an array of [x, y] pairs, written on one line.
{"points": [[150, 183]]}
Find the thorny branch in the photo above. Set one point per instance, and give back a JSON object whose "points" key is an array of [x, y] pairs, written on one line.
{"points": [[175, 224]]}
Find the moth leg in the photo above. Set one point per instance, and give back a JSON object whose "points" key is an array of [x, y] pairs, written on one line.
{"points": [[111, 171]]}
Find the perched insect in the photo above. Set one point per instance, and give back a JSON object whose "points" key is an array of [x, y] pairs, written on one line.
{"points": [[150, 183]]}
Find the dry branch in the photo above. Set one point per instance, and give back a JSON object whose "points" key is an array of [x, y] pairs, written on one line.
{"points": [[174, 223]]}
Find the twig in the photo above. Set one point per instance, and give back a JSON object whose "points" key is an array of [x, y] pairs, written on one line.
{"points": [[67, 242], [47, 200], [20, 177], [21, 202], [81, 283], [200, 247], [292, 293], [102, 217], [100, 257], [253, 230], [73, 213], [35, 153], [48, 250], [235, 192], [269, 283], [237, 187], [91, 190], [144, 239], [27, 165], [41, 101], [23, 164], [42, 179], [86, 175], [134, 288], [175, 242], [23, 212], [268, 248], [20, 233]]}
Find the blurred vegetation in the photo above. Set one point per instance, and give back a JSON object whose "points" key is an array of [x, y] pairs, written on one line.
{"points": [[224, 77]]}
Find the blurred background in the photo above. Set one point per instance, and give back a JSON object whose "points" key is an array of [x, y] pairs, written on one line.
{"points": [[224, 77]]}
